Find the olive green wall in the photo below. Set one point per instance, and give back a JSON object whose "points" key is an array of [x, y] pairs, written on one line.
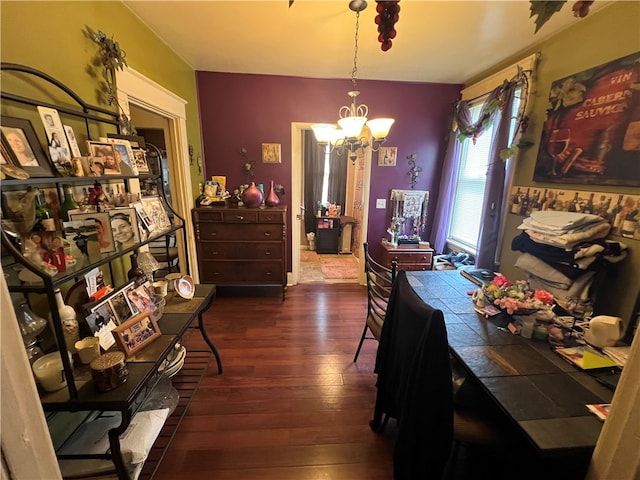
{"points": [[606, 35], [50, 36]]}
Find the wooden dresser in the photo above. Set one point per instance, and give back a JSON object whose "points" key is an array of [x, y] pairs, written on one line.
{"points": [[409, 257], [242, 247]]}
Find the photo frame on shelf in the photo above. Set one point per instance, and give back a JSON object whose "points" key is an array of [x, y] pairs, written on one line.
{"points": [[147, 222], [154, 208], [102, 233], [136, 333], [103, 153], [104, 317], [73, 142], [124, 154], [387, 156], [124, 226], [20, 139], [120, 305], [59, 150], [136, 141], [140, 160], [271, 153]]}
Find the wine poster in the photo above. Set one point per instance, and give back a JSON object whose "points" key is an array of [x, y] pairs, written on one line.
{"points": [[591, 135], [621, 211]]}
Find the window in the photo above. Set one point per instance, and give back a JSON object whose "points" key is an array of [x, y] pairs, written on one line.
{"points": [[472, 176]]}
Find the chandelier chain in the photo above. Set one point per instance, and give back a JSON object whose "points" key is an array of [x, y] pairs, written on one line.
{"points": [[355, 52]]}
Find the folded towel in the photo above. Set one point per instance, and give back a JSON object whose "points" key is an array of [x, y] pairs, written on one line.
{"points": [[570, 240], [579, 289], [552, 218], [530, 223], [537, 267]]}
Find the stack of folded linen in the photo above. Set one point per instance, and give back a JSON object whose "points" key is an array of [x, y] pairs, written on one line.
{"points": [[564, 251]]}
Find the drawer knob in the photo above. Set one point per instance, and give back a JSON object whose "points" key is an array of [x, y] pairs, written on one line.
{"points": [[239, 217], [267, 234], [267, 253], [268, 274], [213, 234]]}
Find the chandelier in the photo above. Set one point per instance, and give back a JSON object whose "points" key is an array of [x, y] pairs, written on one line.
{"points": [[347, 135]]}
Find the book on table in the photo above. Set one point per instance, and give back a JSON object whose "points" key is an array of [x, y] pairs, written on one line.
{"points": [[585, 357]]}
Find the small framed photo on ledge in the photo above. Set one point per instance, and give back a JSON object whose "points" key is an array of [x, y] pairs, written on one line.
{"points": [[136, 333], [271, 153]]}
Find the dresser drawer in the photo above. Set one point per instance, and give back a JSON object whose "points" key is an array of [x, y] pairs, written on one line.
{"points": [[239, 272], [238, 232], [240, 251], [408, 258]]}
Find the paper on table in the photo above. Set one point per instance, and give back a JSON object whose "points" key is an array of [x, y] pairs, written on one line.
{"points": [[601, 410], [618, 354]]}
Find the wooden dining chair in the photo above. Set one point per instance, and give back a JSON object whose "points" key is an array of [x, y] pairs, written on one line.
{"points": [[415, 387], [379, 281]]}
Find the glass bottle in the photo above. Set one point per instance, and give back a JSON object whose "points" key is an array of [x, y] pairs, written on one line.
{"points": [[31, 324], [70, 327], [136, 272], [44, 216], [515, 203], [69, 203]]}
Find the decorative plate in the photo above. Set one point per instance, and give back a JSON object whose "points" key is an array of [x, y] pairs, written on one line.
{"points": [[15, 172], [185, 287]]}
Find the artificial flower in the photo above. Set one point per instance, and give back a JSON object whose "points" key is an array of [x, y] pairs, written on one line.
{"points": [[516, 297]]}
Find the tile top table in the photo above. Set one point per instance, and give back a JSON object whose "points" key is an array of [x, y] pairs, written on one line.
{"points": [[540, 392]]}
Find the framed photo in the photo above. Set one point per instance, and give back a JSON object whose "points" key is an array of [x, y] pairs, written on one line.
{"points": [[140, 298], [271, 153], [120, 305], [147, 222], [124, 226], [136, 333], [102, 232], [154, 208], [140, 160], [124, 154], [387, 156], [73, 142], [20, 139], [103, 317], [105, 154], [136, 141], [127, 294], [59, 150]]}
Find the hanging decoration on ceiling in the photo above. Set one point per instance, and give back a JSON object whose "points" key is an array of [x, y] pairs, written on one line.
{"points": [[388, 15], [545, 9], [111, 58]]}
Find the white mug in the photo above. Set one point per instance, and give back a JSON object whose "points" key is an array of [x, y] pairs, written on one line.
{"points": [[478, 298]]}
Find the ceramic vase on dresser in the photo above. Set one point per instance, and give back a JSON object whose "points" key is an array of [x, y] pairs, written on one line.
{"points": [[252, 196], [272, 199]]}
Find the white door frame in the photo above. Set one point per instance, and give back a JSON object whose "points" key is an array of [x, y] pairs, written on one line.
{"points": [[134, 88], [297, 217]]}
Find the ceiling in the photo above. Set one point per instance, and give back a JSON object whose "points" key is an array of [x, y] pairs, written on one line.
{"points": [[437, 41]]}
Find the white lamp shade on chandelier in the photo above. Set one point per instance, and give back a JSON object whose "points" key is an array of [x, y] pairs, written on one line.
{"points": [[353, 117]]}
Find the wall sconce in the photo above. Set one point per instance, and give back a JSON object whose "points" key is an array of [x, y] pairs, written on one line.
{"points": [[414, 171], [248, 166]]}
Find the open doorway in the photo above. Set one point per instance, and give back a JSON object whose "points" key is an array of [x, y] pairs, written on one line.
{"points": [[312, 267]]}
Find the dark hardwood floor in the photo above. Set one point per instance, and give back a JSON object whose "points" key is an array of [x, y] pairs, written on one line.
{"points": [[291, 404]]}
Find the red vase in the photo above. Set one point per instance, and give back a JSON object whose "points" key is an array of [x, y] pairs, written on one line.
{"points": [[272, 199], [252, 196]]}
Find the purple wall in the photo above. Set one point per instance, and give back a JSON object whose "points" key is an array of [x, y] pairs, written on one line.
{"points": [[239, 110]]}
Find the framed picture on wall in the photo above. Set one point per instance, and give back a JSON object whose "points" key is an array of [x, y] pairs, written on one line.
{"points": [[591, 135], [387, 156], [271, 153]]}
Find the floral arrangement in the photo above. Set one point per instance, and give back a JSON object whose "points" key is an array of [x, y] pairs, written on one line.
{"points": [[516, 297]]}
